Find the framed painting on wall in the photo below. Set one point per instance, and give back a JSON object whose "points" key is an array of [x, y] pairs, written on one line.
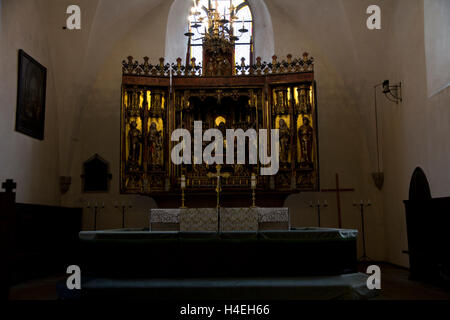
{"points": [[31, 91]]}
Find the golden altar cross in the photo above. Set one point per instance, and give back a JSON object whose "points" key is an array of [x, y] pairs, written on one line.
{"points": [[218, 175], [338, 190]]}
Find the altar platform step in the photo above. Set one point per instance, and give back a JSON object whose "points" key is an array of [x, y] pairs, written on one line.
{"points": [[126, 254], [343, 287]]}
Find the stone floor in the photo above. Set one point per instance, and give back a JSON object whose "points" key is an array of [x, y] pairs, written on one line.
{"points": [[394, 282], [395, 285]]}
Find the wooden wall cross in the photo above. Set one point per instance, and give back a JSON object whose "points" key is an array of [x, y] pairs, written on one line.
{"points": [[338, 190], [9, 185]]}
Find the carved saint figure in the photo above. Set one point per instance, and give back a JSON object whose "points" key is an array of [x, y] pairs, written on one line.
{"points": [[304, 106], [156, 109], [306, 136], [210, 68], [155, 145], [134, 141], [285, 141], [136, 98], [280, 107], [159, 150], [186, 105], [225, 67]]}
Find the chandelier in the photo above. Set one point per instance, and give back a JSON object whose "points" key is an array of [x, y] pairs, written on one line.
{"points": [[217, 25]]}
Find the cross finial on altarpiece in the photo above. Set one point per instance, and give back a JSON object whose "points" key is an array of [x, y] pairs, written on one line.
{"points": [[9, 185]]}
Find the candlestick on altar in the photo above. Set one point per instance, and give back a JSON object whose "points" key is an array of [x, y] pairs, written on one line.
{"points": [[253, 185], [183, 187], [318, 206], [96, 207], [362, 205], [123, 207]]}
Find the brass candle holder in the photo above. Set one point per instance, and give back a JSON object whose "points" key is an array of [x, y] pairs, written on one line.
{"points": [[253, 185], [183, 187], [96, 207]]}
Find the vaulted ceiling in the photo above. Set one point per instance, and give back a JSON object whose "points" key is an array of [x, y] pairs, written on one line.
{"points": [[333, 32]]}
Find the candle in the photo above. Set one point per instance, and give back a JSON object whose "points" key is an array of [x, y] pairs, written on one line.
{"points": [[326, 202], [183, 182], [310, 203], [253, 180]]}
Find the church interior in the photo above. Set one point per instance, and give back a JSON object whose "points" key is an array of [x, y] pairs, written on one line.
{"points": [[349, 97]]}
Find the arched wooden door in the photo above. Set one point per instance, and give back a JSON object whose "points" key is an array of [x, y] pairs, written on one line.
{"points": [[419, 189]]}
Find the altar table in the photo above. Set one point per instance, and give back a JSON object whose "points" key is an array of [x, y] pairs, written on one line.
{"points": [[231, 219]]}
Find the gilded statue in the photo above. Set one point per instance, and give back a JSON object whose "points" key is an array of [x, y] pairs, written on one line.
{"points": [[159, 150], [218, 66], [156, 109], [210, 68], [134, 143], [136, 98], [285, 141], [280, 105], [131, 183], [304, 105], [155, 145], [186, 101], [306, 136], [225, 67]]}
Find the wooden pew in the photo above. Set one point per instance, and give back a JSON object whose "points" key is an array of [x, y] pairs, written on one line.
{"points": [[35, 240], [427, 223]]}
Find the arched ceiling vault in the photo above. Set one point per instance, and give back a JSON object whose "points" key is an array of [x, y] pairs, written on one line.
{"points": [[77, 56], [330, 33]]}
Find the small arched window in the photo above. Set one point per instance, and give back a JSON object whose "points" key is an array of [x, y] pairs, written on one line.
{"points": [[243, 46], [437, 45]]}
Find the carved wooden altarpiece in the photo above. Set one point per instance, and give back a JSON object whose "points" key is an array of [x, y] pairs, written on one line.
{"points": [[157, 99]]}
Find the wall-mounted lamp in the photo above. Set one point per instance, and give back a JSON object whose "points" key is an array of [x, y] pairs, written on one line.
{"points": [[392, 93]]}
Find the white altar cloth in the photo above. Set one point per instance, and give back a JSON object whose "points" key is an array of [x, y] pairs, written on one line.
{"points": [[231, 219]]}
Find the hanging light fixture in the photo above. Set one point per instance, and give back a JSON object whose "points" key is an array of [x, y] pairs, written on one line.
{"points": [[217, 25], [393, 94]]}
